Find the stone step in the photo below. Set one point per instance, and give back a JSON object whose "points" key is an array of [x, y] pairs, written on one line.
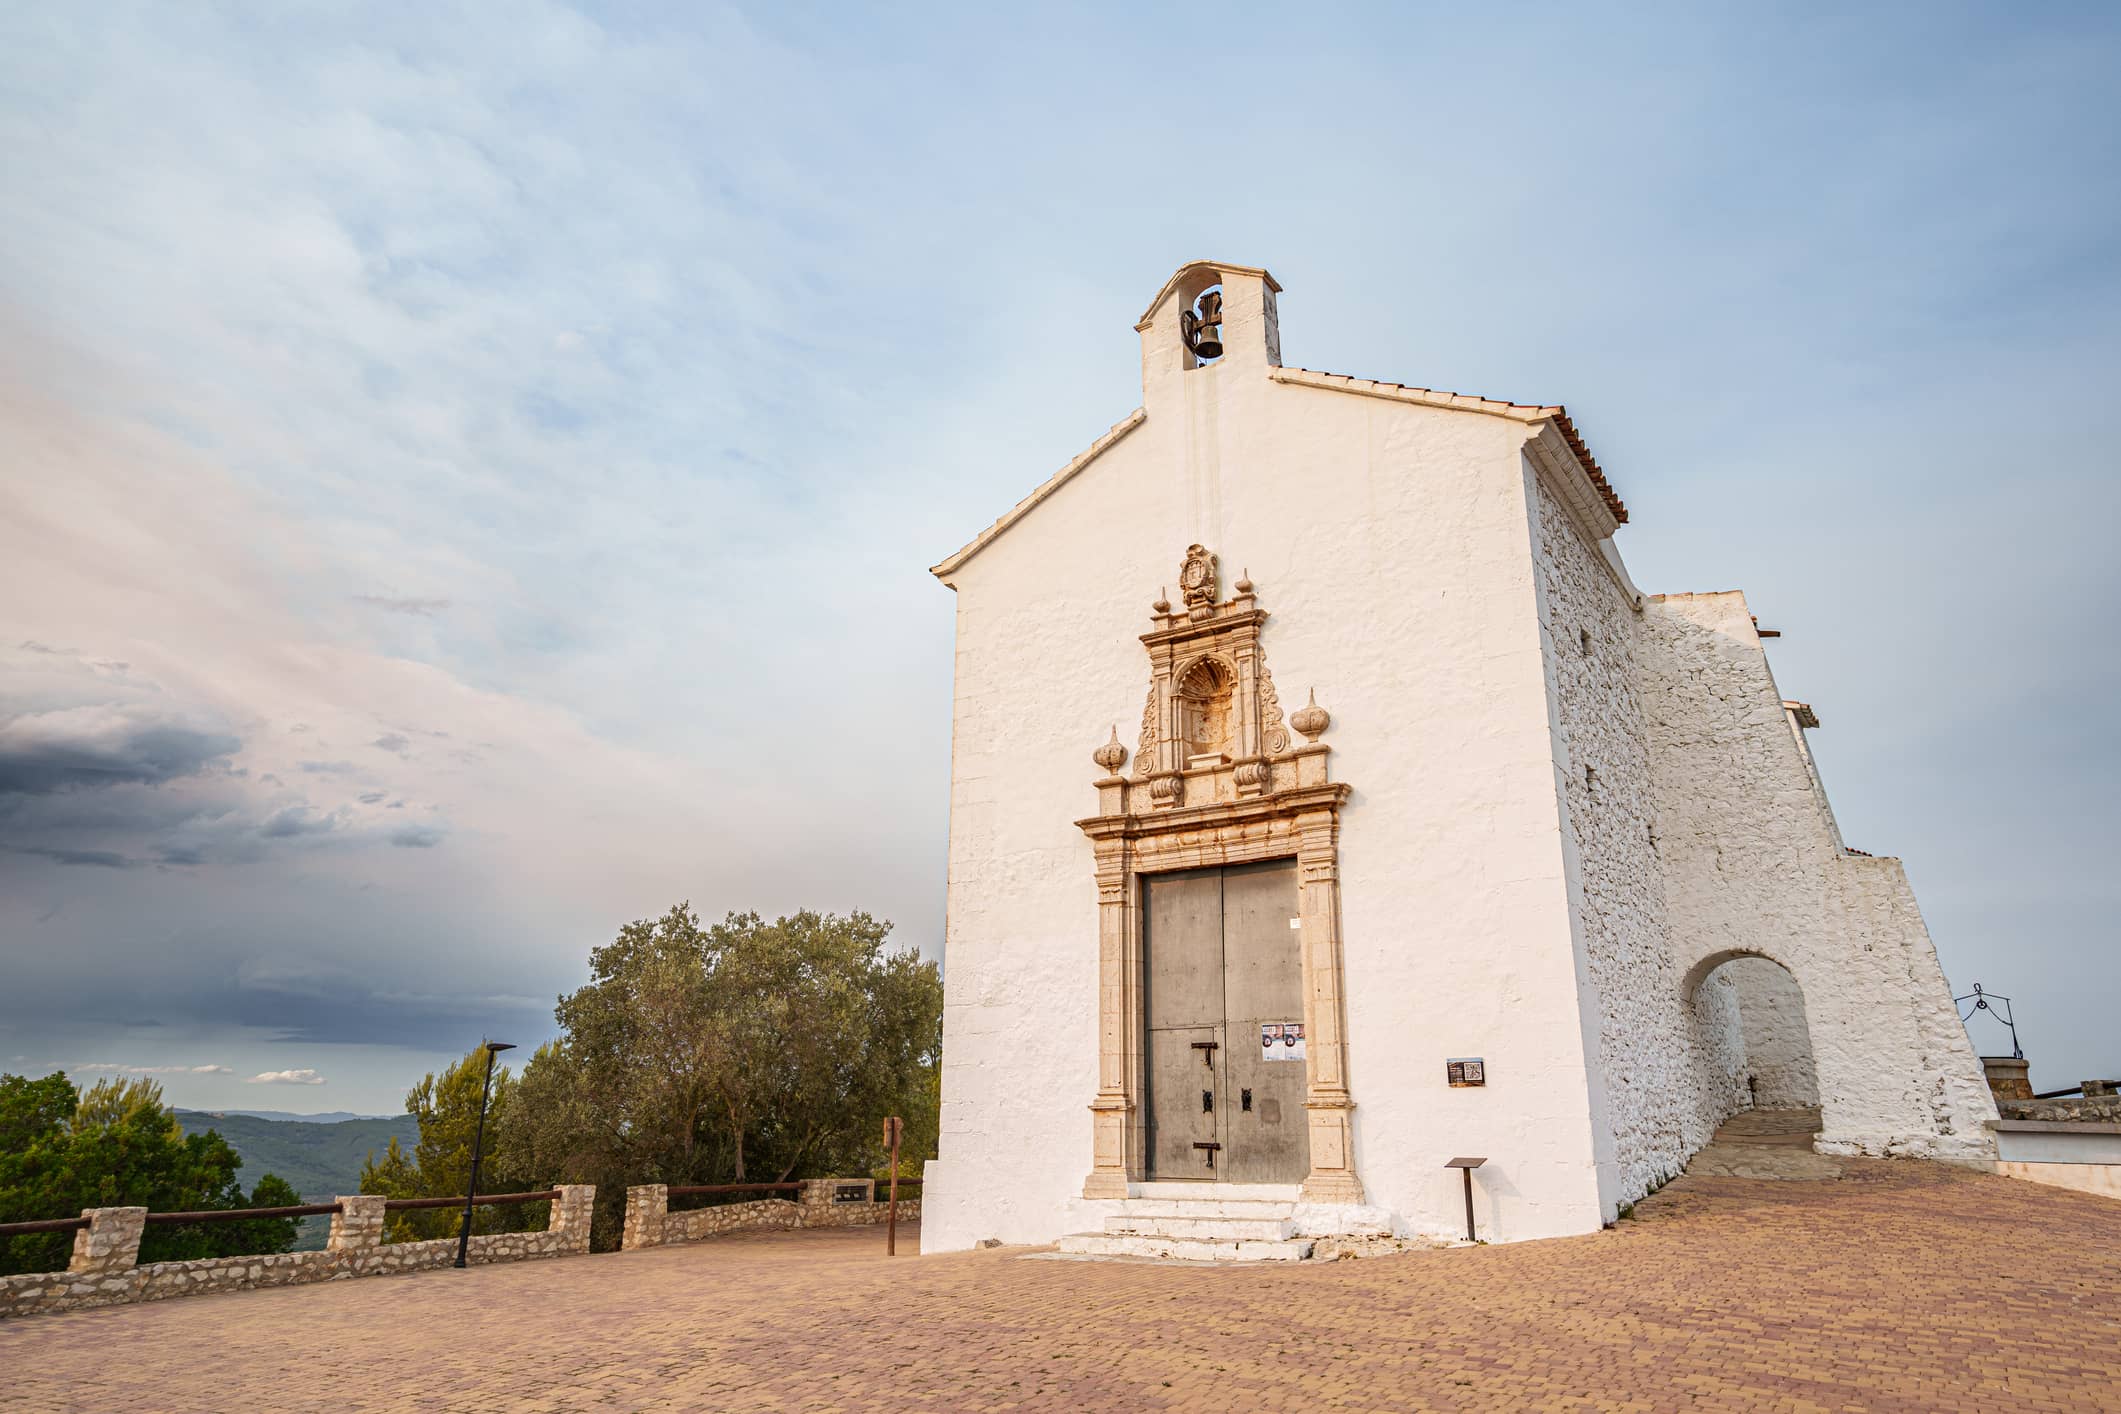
{"points": [[1193, 1190], [1204, 1207], [1267, 1229], [1186, 1249]]}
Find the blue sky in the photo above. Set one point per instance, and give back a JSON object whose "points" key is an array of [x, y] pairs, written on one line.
{"points": [[472, 470]]}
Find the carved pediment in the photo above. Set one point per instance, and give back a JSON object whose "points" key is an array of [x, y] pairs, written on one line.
{"points": [[1212, 727]]}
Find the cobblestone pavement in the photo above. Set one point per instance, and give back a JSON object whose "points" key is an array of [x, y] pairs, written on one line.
{"points": [[1896, 1286]]}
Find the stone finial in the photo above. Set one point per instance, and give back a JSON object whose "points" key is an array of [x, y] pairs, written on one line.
{"points": [[1163, 602], [1111, 755], [1311, 719], [1244, 582]]}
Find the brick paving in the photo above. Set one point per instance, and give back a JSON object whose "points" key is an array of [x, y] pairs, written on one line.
{"points": [[1898, 1286]]}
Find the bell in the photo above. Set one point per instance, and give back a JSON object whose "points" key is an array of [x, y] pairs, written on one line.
{"points": [[1204, 333]]}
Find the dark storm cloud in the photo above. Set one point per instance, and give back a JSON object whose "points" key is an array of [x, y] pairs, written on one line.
{"points": [[93, 858], [81, 748], [417, 608]]}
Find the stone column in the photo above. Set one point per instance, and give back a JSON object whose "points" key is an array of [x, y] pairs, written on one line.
{"points": [[110, 1243], [813, 1203], [1115, 1115], [571, 1212], [1326, 1101], [647, 1209], [358, 1225]]}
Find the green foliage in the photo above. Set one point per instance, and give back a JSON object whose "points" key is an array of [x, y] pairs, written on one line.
{"points": [[745, 1052], [120, 1146], [446, 1111]]}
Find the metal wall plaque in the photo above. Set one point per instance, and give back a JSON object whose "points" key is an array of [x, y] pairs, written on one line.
{"points": [[1464, 1071]]}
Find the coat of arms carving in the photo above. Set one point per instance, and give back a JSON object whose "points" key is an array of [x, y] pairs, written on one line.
{"points": [[1198, 580]]}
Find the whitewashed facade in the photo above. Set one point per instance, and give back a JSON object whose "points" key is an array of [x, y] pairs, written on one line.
{"points": [[1540, 812]]}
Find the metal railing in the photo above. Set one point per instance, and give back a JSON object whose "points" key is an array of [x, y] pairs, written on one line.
{"points": [[43, 1225], [406, 1205], [226, 1215]]}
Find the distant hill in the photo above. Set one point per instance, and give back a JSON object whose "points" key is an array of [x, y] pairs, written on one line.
{"points": [[320, 1158], [326, 1117]]}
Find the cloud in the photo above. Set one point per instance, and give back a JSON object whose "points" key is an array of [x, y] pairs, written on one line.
{"points": [[416, 837], [104, 744], [418, 608], [286, 1077], [372, 797], [392, 741], [90, 858], [117, 1069], [297, 820]]}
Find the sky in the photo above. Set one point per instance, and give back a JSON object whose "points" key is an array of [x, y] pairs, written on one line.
{"points": [[468, 473]]}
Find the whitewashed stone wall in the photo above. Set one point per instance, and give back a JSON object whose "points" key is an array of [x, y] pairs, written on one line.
{"points": [[1717, 1038], [1778, 1041], [1752, 865], [1602, 773]]}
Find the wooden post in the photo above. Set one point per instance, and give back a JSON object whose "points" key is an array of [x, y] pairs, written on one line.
{"points": [[891, 1132]]}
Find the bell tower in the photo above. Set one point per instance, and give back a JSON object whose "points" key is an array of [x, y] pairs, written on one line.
{"points": [[1211, 319]]}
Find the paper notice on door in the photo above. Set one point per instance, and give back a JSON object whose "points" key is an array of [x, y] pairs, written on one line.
{"points": [[1281, 1041]]}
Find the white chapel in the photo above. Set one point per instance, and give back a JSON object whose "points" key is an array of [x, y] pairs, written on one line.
{"points": [[1328, 804]]}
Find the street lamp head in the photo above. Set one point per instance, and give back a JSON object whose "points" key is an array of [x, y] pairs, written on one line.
{"points": [[500, 1045]]}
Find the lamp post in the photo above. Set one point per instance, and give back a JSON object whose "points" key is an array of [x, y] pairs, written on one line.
{"points": [[478, 1146]]}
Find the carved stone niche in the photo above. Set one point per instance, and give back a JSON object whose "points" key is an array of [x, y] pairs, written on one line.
{"points": [[1216, 781]]}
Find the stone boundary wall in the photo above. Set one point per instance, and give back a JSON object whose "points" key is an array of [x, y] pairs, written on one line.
{"points": [[650, 1223], [103, 1271]]}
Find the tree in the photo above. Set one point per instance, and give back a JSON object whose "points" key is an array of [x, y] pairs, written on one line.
{"points": [[119, 1146], [743, 1052], [447, 1108]]}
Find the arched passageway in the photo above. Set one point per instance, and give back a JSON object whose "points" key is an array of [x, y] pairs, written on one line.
{"points": [[1756, 1037]]}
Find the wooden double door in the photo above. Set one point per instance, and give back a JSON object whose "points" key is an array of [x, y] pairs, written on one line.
{"points": [[1223, 997]]}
